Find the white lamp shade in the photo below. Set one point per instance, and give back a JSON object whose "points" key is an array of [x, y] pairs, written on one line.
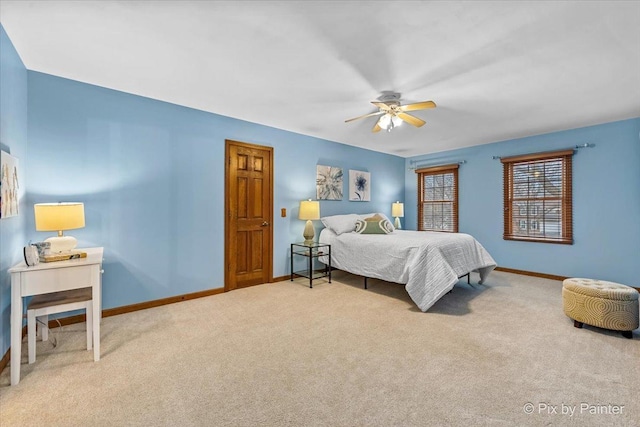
{"points": [[309, 210], [59, 216], [397, 209]]}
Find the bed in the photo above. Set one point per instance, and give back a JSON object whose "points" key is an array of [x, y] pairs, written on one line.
{"points": [[429, 264]]}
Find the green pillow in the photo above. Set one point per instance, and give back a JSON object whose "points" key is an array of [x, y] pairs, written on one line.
{"points": [[368, 226]]}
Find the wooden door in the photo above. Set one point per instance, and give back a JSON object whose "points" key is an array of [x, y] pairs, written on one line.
{"points": [[248, 214]]}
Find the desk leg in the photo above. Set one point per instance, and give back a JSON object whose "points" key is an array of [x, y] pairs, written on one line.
{"points": [[97, 312], [16, 328]]}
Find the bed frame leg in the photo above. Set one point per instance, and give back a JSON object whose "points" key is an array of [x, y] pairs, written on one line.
{"points": [[468, 278], [365, 283]]}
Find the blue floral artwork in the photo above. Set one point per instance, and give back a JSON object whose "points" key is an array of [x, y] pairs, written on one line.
{"points": [[359, 186], [328, 183]]}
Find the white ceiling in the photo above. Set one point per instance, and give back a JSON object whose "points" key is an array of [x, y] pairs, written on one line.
{"points": [[497, 70]]}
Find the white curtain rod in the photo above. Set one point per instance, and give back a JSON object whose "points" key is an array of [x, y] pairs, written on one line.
{"points": [[575, 147]]}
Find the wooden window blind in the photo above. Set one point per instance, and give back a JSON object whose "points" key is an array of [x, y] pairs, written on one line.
{"points": [[438, 198], [537, 197]]}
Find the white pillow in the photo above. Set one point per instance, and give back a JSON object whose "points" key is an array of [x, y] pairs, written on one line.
{"points": [[340, 223], [365, 216]]}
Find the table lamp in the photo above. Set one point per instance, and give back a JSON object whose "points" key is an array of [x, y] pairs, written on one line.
{"points": [[309, 210], [59, 217], [397, 210]]}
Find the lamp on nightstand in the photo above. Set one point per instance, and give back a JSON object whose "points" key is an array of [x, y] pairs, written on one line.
{"points": [[397, 210], [309, 210], [59, 217]]}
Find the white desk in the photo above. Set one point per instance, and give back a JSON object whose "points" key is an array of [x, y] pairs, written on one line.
{"points": [[54, 277]]}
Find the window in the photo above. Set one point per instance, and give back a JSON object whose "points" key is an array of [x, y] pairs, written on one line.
{"points": [[537, 197], [438, 198]]}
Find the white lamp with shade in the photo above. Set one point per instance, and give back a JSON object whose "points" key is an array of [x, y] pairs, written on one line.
{"points": [[397, 210], [59, 217], [309, 210]]}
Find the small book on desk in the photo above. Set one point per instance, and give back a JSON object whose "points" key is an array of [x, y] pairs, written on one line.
{"points": [[63, 257]]}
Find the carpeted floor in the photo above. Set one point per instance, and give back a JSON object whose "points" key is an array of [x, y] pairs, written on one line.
{"points": [[337, 355]]}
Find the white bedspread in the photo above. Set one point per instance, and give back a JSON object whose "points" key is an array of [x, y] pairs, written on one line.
{"points": [[429, 263]]}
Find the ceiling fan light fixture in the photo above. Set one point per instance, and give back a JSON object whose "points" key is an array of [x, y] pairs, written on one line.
{"points": [[385, 121], [392, 113], [388, 122]]}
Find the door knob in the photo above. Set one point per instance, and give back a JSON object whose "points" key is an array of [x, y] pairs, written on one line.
{"points": [[264, 224]]}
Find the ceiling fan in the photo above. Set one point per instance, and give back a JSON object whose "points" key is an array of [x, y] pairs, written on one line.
{"points": [[393, 113]]}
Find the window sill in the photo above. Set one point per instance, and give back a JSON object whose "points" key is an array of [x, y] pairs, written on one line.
{"points": [[528, 239]]}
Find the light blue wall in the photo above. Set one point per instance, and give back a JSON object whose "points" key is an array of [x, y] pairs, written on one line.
{"points": [[606, 202], [151, 175], [13, 140]]}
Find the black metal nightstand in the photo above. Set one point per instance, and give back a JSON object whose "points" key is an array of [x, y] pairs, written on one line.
{"points": [[311, 251]]}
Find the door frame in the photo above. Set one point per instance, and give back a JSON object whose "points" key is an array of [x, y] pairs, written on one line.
{"points": [[227, 212]]}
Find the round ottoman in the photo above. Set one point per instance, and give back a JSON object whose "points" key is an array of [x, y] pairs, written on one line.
{"points": [[603, 304]]}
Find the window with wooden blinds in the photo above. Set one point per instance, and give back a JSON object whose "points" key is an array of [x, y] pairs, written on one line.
{"points": [[438, 198], [537, 197]]}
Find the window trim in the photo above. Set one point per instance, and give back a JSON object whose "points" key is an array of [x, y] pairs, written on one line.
{"points": [[438, 170], [566, 198]]}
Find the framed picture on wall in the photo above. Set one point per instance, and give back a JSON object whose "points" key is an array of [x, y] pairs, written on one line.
{"points": [[328, 183], [9, 185], [359, 186]]}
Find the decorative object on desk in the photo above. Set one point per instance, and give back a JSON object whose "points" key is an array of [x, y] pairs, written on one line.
{"points": [[359, 186], [59, 217], [397, 211], [63, 256], [31, 257], [8, 185], [44, 248], [328, 183], [309, 210]]}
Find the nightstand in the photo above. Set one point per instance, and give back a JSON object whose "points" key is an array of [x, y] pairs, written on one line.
{"points": [[311, 251]]}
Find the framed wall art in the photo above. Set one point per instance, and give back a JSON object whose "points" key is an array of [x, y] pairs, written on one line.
{"points": [[9, 185], [328, 183], [359, 186]]}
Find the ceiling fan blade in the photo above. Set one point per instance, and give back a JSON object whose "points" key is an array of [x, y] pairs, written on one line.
{"points": [[418, 106], [412, 120], [382, 106], [366, 115], [377, 127]]}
